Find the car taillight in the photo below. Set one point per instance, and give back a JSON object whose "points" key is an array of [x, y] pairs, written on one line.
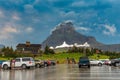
{"points": [[30, 62]]}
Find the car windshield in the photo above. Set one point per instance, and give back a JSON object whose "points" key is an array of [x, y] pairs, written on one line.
{"points": [[37, 60], [84, 60]]}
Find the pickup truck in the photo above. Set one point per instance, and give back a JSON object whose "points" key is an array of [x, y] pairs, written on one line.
{"points": [[22, 62]]}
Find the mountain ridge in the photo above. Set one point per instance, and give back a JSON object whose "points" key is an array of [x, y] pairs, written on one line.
{"points": [[65, 31]]}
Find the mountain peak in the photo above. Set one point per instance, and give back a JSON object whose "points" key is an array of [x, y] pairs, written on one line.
{"points": [[68, 22], [65, 31], [64, 27]]}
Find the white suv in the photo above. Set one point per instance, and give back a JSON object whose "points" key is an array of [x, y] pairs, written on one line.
{"points": [[96, 62], [22, 62]]}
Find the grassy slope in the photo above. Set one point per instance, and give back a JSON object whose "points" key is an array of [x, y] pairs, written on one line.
{"points": [[62, 57]]}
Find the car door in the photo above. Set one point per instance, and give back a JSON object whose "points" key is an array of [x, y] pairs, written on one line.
{"points": [[96, 62], [91, 61], [17, 62]]}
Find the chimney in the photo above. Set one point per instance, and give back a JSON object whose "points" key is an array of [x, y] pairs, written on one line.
{"points": [[27, 43]]}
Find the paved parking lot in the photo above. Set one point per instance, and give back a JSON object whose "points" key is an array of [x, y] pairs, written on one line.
{"points": [[63, 72]]}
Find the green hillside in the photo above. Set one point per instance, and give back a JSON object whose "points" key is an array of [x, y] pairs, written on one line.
{"points": [[62, 57]]}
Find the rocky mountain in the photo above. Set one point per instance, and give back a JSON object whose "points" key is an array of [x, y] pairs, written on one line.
{"points": [[66, 32]]}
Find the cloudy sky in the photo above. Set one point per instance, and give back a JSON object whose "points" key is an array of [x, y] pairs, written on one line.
{"points": [[33, 20]]}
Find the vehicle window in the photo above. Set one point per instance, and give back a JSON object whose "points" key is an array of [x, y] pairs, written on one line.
{"points": [[31, 59], [17, 60], [36, 60], [84, 60], [26, 59]]}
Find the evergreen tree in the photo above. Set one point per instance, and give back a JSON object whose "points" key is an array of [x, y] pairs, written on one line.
{"points": [[48, 50]]}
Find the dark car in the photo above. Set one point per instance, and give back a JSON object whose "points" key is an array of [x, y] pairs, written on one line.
{"points": [[84, 61], [53, 62], [47, 63], [115, 62]]}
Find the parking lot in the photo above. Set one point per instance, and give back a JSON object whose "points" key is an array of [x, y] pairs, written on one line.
{"points": [[63, 72]]}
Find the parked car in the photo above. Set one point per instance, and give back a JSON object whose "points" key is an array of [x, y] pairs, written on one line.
{"points": [[47, 63], [107, 62], [103, 60], [39, 63], [115, 62], [96, 62], [22, 62], [1, 61], [53, 62], [84, 61]]}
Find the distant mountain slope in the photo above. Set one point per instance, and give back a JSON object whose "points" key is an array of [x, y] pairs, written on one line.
{"points": [[65, 32], [110, 47], [1, 46]]}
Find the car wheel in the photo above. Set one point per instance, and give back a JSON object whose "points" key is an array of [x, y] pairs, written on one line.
{"points": [[99, 64], [37, 65], [5, 67], [79, 66], [53, 64], [45, 65], [88, 66], [116, 64], [23, 66]]}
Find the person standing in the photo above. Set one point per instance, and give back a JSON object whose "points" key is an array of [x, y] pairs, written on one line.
{"points": [[12, 64], [68, 60]]}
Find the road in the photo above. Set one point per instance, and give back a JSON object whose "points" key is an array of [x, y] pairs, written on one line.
{"points": [[63, 72]]}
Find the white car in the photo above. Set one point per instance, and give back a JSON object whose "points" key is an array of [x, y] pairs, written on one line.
{"points": [[104, 60], [22, 62], [96, 62]]}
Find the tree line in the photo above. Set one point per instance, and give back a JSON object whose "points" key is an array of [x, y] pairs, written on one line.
{"points": [[91, 51], [10, 52]]}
